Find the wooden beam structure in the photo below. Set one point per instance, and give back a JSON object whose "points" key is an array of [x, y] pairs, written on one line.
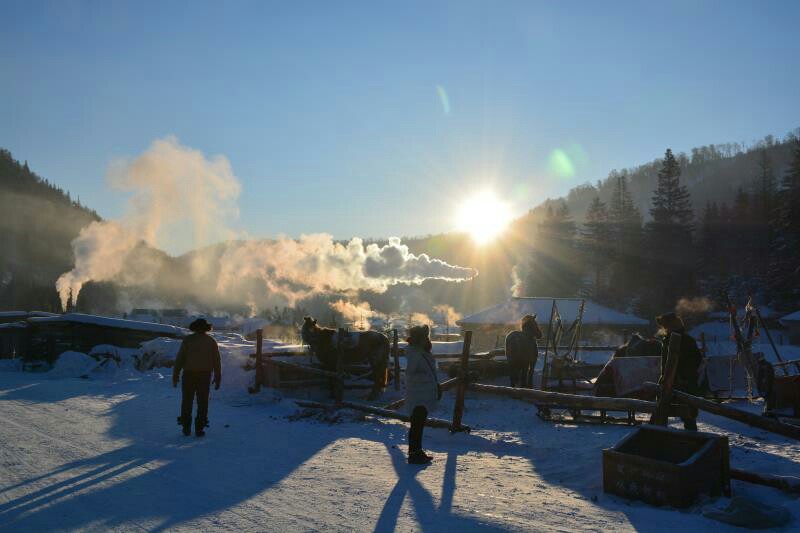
{"points": [[785, 483], [661, 415], [461, 385], [379, 411], [572, 401], [396, 357], [444, 385], [745, 417]]}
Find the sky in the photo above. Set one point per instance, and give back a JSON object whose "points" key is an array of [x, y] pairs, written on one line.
{"points": [[379, 118]]}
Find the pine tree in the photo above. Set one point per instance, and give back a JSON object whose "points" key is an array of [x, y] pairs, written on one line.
{"points": [[553, 267], [670, 252], [625, 229], [671, 202], [596, 245], [785, 265], [762, 208]]}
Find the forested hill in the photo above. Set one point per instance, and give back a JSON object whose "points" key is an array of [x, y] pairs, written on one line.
{"points": [[39, 220], [712, 173]]}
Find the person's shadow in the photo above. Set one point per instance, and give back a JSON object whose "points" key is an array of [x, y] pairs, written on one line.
{"points": [[429, 517]]}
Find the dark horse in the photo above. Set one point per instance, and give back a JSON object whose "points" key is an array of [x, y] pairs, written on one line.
{"points": [[370, 346], [522, 352]]}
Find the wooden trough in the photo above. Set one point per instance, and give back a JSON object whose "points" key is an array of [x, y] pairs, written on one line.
{"points": [[664, 466]]}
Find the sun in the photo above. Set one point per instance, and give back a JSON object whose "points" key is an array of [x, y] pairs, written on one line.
{"points": [[484, 216]]}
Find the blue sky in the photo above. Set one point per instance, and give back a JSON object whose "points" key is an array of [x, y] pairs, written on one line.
{"points": [[376, 118]]}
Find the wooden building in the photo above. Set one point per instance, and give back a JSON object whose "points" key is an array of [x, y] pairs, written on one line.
{"points": [[45, 337]]}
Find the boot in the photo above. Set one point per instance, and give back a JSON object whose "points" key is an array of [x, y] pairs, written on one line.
{"points": [[199, 427], [418, 457], [186, 424]]}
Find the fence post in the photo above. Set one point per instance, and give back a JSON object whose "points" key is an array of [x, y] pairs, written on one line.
{"points": [[661, 414], [396, 355], [259, 367], [463, 377], [338, 382]]}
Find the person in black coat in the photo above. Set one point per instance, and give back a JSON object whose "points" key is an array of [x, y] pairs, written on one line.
{"points": [[197, 357], [687, 377], [522, 350]]}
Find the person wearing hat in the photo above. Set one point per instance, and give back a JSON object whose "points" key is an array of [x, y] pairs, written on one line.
{"points": [[197, 357], [689, 361], [522, 351], [422, 389]]}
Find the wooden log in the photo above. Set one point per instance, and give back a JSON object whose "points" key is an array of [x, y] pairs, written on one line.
{"points": [[751, 419], [302, 368], [572, 401], [379, 411], [396, 356], [787, 363], [463, 376], [444, 385], [785, 483], [661, 414]]}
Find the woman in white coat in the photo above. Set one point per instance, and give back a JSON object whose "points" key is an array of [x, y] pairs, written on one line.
{"points": [[422, 389]]}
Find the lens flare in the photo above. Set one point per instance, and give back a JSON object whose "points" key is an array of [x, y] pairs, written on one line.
{"points": [[560, 164], [443, 98], [484, 216]]}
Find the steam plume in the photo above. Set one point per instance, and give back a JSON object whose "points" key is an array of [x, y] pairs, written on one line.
{"points": [[696, 305], [179, 195], [173, 188]]}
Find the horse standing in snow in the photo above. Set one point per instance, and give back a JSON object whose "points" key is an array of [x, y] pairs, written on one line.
{"points": [[370, 346], [522, 351]]}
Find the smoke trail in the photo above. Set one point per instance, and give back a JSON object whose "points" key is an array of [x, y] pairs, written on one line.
{"points": [[179, 195], [316, 264], [175, 190]]}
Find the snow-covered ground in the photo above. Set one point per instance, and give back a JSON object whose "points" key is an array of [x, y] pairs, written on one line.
{"points": [[105, 452]]}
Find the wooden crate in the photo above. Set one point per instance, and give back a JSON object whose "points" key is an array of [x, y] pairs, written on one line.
{"points": [[663, 466]]}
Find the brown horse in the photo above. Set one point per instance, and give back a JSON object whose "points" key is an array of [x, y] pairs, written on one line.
{"points": [[370, 346]]}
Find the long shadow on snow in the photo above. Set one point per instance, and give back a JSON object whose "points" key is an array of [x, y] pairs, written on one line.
{"points": [[114, 488]]}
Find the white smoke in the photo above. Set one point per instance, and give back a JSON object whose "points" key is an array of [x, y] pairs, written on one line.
{"points": [[517, 283], [174, 189], [358, 313], [316, 264], [446, 314], [177, 193]]}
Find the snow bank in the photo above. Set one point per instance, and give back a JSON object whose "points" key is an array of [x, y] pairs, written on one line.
{"points": [[72, 365], [10, 365]]}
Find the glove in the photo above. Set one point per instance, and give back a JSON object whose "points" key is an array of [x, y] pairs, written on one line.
{"points": [[216, 384]]}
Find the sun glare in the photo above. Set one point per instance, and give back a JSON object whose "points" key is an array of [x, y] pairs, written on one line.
{"points": [[484, 216]]}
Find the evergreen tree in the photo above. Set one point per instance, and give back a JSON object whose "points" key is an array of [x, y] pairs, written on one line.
{"points": [[625, 229], [596, 245], [670, 252], [553, 268], [672, 205], [762, 208], [785, 266]]}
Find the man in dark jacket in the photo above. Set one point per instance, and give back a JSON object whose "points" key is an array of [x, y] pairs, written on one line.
{"points": [[687, 374], [198, 356], [522, 351]]}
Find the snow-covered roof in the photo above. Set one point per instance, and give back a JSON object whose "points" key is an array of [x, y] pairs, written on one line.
{"points": [[793, 317], [120, 323], [24, 314], [511, 311]]}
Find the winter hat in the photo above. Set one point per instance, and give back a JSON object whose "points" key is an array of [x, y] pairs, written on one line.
{"points": [[670, 322], [200, 326], [418, 335]]}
